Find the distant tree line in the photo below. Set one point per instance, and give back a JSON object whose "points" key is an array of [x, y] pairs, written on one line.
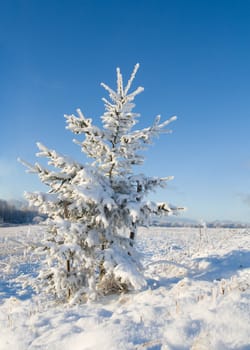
{"points": [[11, 214], [213, 224]]}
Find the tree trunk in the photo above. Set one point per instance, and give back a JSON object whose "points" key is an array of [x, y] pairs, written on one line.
{"points": [[132, 234], [68, 272], [132, 238]]}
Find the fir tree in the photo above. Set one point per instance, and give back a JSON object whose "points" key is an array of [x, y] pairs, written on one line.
{"points": [[94, 209]]}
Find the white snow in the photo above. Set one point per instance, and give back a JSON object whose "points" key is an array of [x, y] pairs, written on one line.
{"points": [[198, 296]]}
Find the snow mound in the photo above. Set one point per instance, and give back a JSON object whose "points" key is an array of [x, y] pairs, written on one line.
{"points": [[198, 297]]}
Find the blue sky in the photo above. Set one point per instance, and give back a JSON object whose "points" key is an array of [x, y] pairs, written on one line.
{"points": [[195, 63]]}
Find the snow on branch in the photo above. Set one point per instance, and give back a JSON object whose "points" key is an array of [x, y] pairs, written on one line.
{"points": [[94, 144], [160, 209], [146, 135], [132, 77], [121, 92], [82, 125]]}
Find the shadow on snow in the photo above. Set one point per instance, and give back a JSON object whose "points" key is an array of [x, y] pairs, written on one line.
{"points": [[224, 266], [11, 287], [217, 268]]}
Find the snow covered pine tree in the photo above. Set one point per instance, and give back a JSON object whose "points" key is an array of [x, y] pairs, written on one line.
{"points": [[94, 209]]}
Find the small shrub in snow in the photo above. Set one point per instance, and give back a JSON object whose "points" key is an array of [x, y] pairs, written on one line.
{"points": [[94, 209]]}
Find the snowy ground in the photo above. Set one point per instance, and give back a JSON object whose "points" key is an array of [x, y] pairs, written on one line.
{"points": [[198, 297]]}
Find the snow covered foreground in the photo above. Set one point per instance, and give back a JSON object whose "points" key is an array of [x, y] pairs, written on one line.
{"points": [[198, 297]]}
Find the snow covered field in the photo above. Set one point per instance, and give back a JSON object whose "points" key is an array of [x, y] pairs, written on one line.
{"points": [[198, 297]]}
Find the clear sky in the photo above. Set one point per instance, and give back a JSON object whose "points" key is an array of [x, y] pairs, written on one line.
{"points": [[195, 63]]}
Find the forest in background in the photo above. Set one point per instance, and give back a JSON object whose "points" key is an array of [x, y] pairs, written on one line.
{"points": [[17, 212]]}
